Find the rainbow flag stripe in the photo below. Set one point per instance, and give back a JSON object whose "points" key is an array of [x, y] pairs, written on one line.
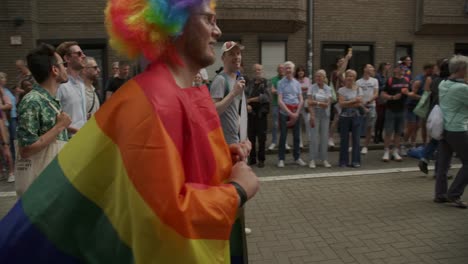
{"points": [[140, 183]]}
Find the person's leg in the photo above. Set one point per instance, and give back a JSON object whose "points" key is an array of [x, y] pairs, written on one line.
{"points": [[370, 124], [283, 134], [399, 123], [443, 160], [344, 140], [12, 131], [314, 139], [458, 142], [389, 127], [356, 136], [323, 134], [251, 131], [296, 139], [333, 126], [261, 134], [422, 125], [274, 129], [305, 124]]}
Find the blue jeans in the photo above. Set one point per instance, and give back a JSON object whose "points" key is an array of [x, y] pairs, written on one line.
{"points": [[318, 136], [12, 132], [274, 129], [353, 125], [284, 134]]}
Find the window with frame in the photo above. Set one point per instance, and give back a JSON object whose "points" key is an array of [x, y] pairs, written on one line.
{"points": [[362, 54], [272, 53], [461, 48], [403, 50]]}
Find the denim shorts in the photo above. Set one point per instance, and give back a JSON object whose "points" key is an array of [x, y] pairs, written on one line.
{"points": [[371, 117], [410, 116], [394, 122]]}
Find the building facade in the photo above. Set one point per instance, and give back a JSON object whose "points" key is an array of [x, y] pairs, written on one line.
{"points": [[272, 31]]}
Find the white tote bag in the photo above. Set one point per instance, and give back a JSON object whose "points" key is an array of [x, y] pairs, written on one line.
{"points": [[28, 169], [435, 123]]}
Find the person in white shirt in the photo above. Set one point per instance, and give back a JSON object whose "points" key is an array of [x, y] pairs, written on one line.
{"points": [[72, 94], [370, 90], [90, 74]]}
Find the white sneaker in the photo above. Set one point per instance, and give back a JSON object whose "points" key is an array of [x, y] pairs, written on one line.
{"points": [[312, 164], [403, 151], [281, 164], [11, 178], [396, 156], [364, 151], [386, 156], [300, 162], [350, 149], [272, 146], [248, 231], [331, 143], [287, 147], [326, 164]]}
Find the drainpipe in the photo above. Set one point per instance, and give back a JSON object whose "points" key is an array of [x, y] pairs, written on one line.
{"points": [[309, 49]]}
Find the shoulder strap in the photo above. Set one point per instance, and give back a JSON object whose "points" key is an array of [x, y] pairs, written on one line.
{"points": [[94, 101], [49, 102], [226, 84]]}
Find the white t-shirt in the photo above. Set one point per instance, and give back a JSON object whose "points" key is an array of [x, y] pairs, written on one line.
{"points": [[368, 88]]}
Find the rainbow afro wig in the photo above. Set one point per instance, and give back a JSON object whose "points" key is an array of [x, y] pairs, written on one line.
{"points": [[148, 27]]}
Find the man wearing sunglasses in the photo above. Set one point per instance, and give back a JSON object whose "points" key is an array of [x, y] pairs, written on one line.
{"points": [[90, 75], [72, 94], [41, 125]]}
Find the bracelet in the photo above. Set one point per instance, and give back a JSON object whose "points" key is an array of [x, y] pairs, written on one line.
{"points": [[241, 192]]}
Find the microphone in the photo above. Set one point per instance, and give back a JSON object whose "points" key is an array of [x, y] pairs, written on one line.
{"points": [[239, 76]]}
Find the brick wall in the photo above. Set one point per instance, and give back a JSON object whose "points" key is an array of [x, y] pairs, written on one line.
{"points": [[384, 23]]}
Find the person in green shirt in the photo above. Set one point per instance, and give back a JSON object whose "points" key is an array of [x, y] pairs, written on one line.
{"points": [[453, 100], [274, 105]]}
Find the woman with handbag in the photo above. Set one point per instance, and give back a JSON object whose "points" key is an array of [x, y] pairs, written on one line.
{"points": [[352, 109], [453, 99], [290, 102]]}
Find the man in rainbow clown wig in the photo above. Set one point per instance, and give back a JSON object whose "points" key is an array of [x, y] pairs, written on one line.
{"points": [[157, 183]]}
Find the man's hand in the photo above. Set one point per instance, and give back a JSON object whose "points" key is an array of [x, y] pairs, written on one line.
{"points": [[397, 96], [245, 177], [249, 109], [239, 87], [63, 120], [240, 151]]}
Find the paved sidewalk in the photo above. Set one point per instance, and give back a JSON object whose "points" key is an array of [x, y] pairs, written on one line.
{"points": [[358, 219], [378, 218]]}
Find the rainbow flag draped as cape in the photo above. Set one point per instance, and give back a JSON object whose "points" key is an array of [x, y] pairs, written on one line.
{"points": [[142, 182]]}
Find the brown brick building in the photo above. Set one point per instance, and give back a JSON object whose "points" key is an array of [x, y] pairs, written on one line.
{"points": [[271, 30]]}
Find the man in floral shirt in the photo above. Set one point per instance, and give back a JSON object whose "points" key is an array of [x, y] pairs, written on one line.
{"points": [[41, 121]]}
